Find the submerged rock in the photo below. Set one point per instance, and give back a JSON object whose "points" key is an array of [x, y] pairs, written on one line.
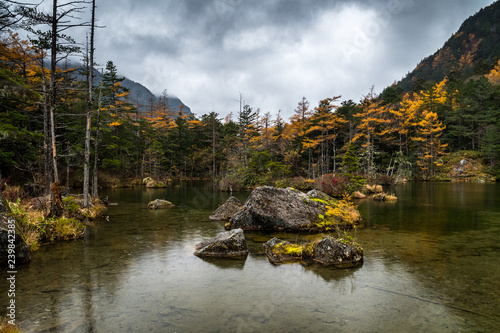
{"points": [[10, 239], [328, 251], [271, 208], [160, 204], [229, 208], [227, 244]]}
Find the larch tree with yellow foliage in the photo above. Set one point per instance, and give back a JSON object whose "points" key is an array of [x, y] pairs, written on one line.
{"points": [[430, 129], [373, 126], [322, 133]]}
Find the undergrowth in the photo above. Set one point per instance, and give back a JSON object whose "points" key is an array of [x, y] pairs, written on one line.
{"points": [[36, 228]]}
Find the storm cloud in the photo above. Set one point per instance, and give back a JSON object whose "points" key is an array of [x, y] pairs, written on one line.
{"points": [[274, 52]]}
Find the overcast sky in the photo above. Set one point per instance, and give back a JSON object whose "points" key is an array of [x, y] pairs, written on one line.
{"points": [[207, 52]]}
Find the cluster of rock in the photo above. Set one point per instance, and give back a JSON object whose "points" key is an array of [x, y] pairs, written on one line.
{"points": [[328, 251], [10, 239], [469, 171], [278, 209]]}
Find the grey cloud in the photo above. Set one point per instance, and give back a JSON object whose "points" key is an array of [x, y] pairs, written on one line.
{"points": [[274, 51]]}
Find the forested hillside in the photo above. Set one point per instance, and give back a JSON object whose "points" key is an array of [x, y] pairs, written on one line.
{"points": [[43, 119], [473, 50]]}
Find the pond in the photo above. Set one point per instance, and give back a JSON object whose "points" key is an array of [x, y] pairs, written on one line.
{"points": [[431, 264]]}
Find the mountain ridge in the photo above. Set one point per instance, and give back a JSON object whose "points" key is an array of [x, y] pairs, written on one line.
{"points": [[473, 50]]}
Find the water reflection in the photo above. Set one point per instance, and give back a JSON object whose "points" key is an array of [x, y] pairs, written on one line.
{"points": [[431, 264]]}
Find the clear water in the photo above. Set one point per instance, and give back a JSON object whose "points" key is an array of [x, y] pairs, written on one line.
{"points": [[432, 264]]}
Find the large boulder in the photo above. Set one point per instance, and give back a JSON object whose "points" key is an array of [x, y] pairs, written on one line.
{"points": [[229, 208], [11, 240], [227, 244], [329, 251], [160, 204], [271, 208]]}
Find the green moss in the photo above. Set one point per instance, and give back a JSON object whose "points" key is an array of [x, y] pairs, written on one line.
{"points": [[320, 200], [71, 205]]}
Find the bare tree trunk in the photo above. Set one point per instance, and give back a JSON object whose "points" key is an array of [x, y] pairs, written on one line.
{"points": [[53, 63], [213, 149], [86, 162], [46, 136], [95, 177]]}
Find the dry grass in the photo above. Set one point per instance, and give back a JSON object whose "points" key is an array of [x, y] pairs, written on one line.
{"points": [[36, 229], [5, 327]]}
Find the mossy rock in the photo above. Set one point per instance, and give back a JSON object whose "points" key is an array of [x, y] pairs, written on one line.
{"points": [[160, 204], [329, 251]]}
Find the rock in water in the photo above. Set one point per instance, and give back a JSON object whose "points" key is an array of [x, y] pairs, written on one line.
{"points": [[160, 204], [358, 195], [332, 252], [7, 224], [271, 208], [327, 251], [275, 250], [229, 208], [227, 244]]}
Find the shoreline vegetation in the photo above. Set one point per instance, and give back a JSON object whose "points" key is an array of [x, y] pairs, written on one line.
{"points": [[32, 212], [38, 226]]}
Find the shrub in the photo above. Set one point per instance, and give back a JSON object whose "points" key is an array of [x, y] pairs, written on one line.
{"points": [[332, 184], [340, 214], [71, 205], [67, 228], [12, 193]]}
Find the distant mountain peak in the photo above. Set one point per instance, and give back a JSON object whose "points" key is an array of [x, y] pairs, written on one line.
{"points": [[143, 97]]}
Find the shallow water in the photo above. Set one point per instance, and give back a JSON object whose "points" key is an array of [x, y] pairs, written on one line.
{"points": [[431, 265]]}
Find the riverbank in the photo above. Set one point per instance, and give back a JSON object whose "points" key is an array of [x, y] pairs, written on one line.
{"points": [[35, 225]]}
